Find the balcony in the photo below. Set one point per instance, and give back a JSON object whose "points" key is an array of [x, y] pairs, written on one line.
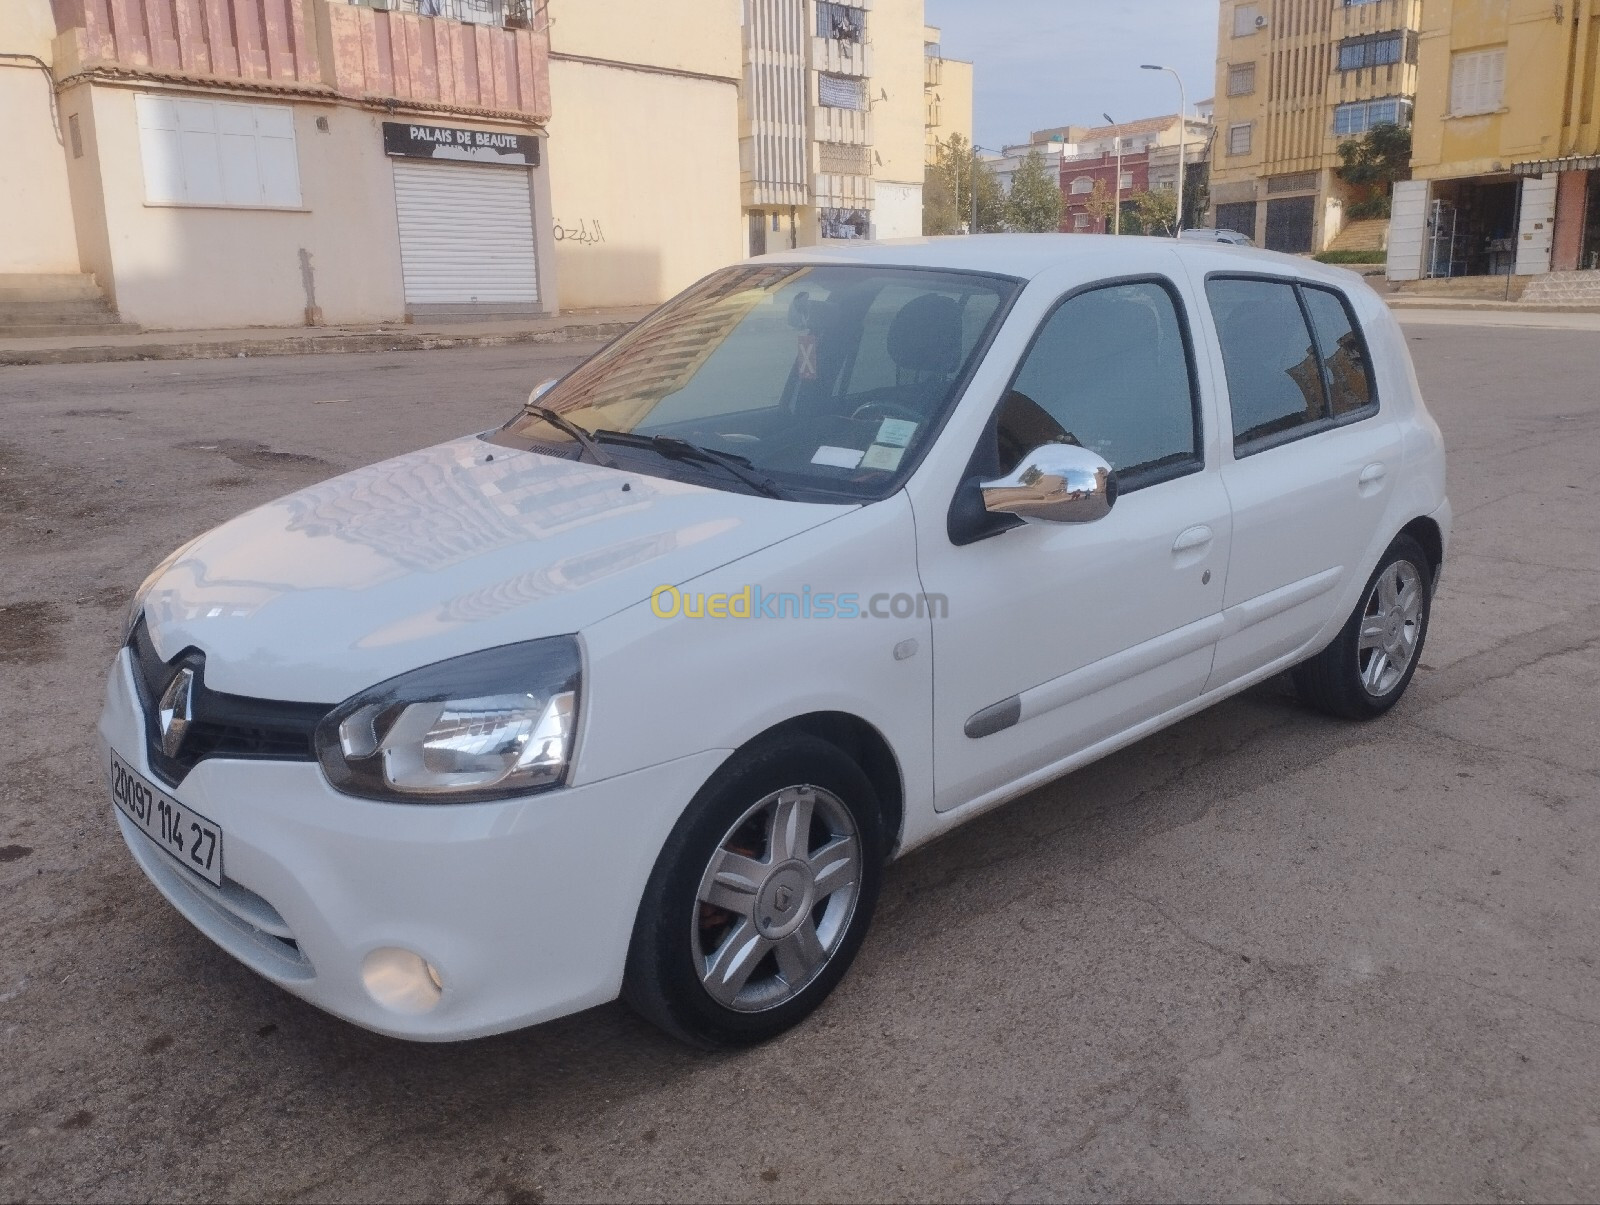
{"points": [[932, 71], [510, 14], [399, 56]]}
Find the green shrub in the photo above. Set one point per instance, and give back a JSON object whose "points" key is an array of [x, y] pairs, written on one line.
{"points": [[1353, 257]]}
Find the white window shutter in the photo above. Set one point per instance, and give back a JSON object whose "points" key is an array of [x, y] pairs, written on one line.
{"points": [[160, 150], [236, 136], [202, 152], [202, 156], [280, 162]]}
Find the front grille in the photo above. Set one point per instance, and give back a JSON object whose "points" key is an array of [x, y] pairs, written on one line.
{"points": [[221, 725]]}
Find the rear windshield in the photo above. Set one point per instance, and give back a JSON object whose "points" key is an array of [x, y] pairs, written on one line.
{"points": [[828, 381]]}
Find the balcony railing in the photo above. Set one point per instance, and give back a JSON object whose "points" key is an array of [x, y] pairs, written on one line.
{"points": [[515, 14]]}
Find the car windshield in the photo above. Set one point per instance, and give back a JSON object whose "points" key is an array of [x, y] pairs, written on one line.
{"points": [[818, 382]]}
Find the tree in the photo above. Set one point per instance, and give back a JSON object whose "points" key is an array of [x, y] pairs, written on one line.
{"points": [[1153, 213], [1372, 164], [1035, 202], [1101, 205], [939, 213], [947, 208]]}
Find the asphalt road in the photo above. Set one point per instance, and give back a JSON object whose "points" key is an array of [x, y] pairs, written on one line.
{"points": [[1261, 955]]}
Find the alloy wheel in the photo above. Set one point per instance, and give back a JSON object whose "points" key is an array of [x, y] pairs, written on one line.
{"points": [[1391, 628], [776, 899]]}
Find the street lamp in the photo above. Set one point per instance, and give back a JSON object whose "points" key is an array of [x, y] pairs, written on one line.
{"points": [[1118, 210], [1183, 130]]}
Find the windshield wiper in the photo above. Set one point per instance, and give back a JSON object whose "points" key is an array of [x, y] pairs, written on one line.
{"points": [[674, 448], [568, 427]]}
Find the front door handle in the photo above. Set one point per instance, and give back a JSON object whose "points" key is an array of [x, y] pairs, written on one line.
{"points": [[1195, 537]]}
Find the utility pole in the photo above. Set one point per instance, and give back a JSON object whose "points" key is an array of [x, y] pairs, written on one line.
{"points": [[1183, 132], [973, 229], [1118, 210]]}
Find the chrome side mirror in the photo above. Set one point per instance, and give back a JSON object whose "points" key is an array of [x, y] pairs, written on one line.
{"points": [[542, 388], [1056, 483]]}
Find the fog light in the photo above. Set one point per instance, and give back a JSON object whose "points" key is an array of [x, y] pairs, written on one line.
{"points": [[401, 980]]}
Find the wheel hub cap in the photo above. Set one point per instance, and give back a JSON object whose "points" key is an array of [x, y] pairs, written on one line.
{"points": [[784, 900]]}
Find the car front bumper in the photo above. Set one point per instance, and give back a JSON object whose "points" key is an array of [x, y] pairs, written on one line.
{"points": [[525, 907]]}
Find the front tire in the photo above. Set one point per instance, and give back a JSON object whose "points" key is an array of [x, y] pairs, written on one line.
{"points": [[1367, 668], [761, 896]]}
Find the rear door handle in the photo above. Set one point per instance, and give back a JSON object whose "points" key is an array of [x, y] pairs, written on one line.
{"points": [[1373, 474], [1195, 537]]}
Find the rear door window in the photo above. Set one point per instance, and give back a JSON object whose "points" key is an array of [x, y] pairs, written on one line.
{"points": [[1294, 356]]}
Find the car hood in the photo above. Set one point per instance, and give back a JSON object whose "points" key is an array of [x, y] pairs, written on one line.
{"points": [[464, 546]]}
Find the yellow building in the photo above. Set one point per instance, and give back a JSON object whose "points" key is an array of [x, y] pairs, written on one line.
{"points": [[947, 94], [1295, 78], [644, 146], [1506, 157]]}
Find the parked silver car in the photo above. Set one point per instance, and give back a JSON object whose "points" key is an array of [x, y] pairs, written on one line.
{"points": [[1208, 234]]}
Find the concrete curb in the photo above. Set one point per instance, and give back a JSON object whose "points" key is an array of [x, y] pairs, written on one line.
{"points": [[1503, 307], [305, 345]]}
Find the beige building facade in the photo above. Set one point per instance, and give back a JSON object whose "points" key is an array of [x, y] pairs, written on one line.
{"points": [[1295, 78], [644, 146], [947, 96]]}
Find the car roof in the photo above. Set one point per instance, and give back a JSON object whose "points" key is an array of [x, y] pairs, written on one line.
{"points": [[1026, 256]]}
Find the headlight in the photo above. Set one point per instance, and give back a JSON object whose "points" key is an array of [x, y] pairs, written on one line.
{"points": [[489, 725]]}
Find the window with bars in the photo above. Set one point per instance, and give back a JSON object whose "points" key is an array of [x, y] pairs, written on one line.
{"points": [[840, 21], [1242, 79], [1240, 138], [1360, 116], [1082, 186], [1377, 50], [1477, 82]]}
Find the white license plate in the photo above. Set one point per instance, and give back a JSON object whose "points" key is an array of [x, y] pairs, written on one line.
{"points": [[185, 834]]}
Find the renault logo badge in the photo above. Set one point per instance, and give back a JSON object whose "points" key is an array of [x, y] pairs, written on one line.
{"points": [[174, 713]]}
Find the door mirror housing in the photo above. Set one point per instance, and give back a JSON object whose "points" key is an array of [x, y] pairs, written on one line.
{"points": [[542, 388], [1056, 483]]}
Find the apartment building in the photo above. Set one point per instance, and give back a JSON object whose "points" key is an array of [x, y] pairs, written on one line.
{"points": [[947, 96], [1295, 78], [1506, 151], [831, 121]]}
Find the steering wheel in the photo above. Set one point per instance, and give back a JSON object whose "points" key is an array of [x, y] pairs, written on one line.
{"points": [[886, 410]]}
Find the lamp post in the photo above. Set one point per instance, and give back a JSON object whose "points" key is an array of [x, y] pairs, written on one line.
{"points": [[1183, 131], [1118, 210]]}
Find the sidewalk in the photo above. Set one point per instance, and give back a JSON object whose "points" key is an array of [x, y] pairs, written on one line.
{"points": [[577, 326]]}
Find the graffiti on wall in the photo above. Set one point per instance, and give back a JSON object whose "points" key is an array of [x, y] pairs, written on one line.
{"points": [[586, 233]]}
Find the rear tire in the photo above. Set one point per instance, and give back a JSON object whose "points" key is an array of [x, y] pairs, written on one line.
{"points": [[1367, 668], [761, 896]]}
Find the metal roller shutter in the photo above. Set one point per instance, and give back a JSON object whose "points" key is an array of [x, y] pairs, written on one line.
{"points": [[466, 234]]}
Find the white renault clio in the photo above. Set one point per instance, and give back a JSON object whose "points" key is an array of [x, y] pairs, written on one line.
{"points": [[638, 693]]}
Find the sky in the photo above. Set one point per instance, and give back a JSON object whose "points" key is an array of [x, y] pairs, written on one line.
{"points": [[1043, 63]]}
